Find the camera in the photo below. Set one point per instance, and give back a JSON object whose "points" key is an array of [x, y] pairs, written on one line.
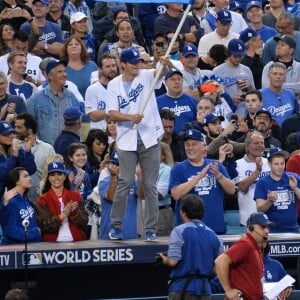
{"points": [[160, 46]]}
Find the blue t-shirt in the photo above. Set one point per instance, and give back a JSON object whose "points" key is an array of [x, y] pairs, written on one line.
{"points": [[184, 108], [24, 90], [82, 77], [207, 188], [284, 211], [279, 105], [129, 220], [195, 247]]}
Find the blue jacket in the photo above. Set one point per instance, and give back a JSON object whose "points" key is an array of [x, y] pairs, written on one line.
{"points": [[24, 159], [11, 217]]}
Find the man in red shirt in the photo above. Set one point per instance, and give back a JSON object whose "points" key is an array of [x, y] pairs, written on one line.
{"points": [[240, 269]]}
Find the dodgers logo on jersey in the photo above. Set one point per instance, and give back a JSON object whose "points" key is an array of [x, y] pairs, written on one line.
{"points": [[132, 96]]}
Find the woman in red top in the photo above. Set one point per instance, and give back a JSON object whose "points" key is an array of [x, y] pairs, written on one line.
{"points": [[60, 211]]}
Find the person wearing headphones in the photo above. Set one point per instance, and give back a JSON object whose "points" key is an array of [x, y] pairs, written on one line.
{"points": [[240, 269]]}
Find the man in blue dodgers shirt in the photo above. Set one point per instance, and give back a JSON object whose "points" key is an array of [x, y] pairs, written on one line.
{"points": [[276, 194], [192, 250], [204, 177]]}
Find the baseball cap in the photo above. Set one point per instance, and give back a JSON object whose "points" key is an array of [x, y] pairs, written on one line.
{"points": [[5, 128], [44, 2], [172, 72], [234, 6], [288, 39], [114, 6], [247, 34], [224, 16], [236, 47], [277, 151], [113, 158], [212, 118], [259, 218], [193, 134], [130, 55], [77, 16], [56, 166], [52, 64], [189, 49], [253, 3], [72, 113], [263, 111]]}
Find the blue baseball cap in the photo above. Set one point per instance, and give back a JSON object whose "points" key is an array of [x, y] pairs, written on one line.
{"points": [[130, 55], [263, 111], [236, 47], [277, 151], [113, 158], [259, 218], [212, 118], [189, 49], [224, 16], [5, 128], [72, 113], [193, 134], [247, 34], [253, 3], [172, 72], [44, 2], [52, 64], [234, 6], [56, 166]]}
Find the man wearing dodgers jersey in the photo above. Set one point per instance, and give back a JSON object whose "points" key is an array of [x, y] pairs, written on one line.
{"points": [[250, 168], [203, 177], [138, 134]]}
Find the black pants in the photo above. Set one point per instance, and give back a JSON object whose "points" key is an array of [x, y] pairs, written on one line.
{"points": [[177, 296]]}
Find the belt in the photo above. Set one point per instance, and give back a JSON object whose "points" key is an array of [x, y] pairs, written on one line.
{"points": [[164, 206]]}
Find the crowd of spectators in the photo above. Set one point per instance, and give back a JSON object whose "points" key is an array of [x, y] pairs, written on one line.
{"points": [[229, 107]]}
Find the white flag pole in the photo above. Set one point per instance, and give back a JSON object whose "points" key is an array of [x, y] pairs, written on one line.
{"points": [[158, 73]]}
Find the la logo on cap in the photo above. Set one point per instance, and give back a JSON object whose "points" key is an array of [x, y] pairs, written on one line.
{"points": [[225, 14], [55, 166], [135, 53], [190, 48], [5, 125], [250, 34], [240, 47], [190, 132], [116, 155]]}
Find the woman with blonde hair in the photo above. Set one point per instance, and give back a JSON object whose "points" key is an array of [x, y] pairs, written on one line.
{"points": [[165, 218]]}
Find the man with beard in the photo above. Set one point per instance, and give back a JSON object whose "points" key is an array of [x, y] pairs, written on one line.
{"points": [[262, 123], [96, 94], [216, 136]]}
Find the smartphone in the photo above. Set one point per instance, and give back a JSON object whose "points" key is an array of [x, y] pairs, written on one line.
{"points": [[79, 177], [160, 46]]}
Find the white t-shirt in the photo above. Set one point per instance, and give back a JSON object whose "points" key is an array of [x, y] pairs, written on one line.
{"points": [[245, 168], [64, 233]]}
